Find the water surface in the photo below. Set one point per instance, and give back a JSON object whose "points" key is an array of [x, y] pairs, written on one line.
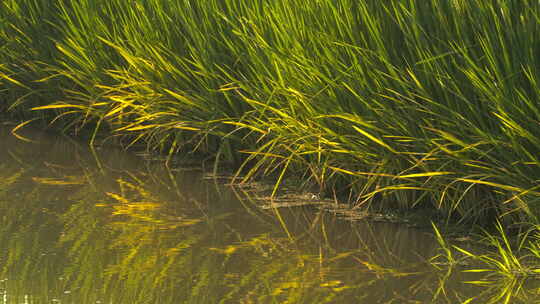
{"points": [[105, 226]]}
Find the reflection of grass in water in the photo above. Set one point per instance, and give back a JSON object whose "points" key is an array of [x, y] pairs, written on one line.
{"points": [[284, 272], [94, 235], [327, 274], [26, 253], [153, 258], [487, 285], [277, 273], [506, 291], [123, 245]]}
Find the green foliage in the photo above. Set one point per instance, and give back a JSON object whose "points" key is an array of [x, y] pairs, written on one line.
{"points": [[430, 104]]}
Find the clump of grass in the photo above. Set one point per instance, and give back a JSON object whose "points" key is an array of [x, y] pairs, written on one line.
{"points": [[505, 258], [397, 105], [505, 266]]}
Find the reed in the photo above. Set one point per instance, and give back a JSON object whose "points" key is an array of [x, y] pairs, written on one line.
{"points": [[405, 104]]}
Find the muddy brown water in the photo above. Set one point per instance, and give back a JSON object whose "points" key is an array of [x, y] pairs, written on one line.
{"points": [[106, 226]]}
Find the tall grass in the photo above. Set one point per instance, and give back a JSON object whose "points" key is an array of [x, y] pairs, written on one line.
{"points": [[401, 104]]}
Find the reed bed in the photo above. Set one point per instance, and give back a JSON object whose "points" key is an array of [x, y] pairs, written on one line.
{"points": [[402, 104]]}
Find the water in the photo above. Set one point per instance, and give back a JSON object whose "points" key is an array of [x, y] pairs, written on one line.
{"points": [[108, 227]]}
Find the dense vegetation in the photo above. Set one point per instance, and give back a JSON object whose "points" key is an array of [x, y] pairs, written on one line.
{"points": [[393, 104]]}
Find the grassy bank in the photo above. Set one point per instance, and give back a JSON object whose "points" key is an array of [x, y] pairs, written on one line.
{"points": [[405, 104]]}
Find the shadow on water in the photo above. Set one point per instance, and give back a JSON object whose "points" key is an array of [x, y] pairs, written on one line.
{"points": [[107, 227]]}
